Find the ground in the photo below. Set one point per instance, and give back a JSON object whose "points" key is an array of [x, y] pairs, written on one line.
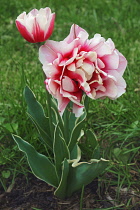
{"points": [[35, 194]]}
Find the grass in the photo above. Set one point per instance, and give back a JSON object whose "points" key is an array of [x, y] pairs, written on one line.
{"points": [[116, 123]]}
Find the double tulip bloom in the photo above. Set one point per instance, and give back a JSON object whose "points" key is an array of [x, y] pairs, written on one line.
{"points": [[80, 65], [37, 25], [76, 65]]}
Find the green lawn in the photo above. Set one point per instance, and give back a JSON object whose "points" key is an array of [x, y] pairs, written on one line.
{"points": [[116, 123]]}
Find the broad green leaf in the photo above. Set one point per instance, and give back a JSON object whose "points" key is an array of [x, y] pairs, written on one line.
{"points": [[96, 153], [40, 164], [60, 150], [64, 183], [84, 173], [76, 132], [35, 109], [74, 152], [37, 115], [72, 120], [44, 136], [92, 139]]}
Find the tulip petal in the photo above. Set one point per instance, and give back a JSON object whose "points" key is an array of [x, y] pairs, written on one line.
{"points": [[51, 70], [62, 102], [111, 61], [76, 32], [120, 83], [111, 90], [122, 63], [24, 32], [77, 110], [46, 54], [69, 85]]}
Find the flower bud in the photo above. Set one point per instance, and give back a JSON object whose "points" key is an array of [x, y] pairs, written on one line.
{"points": [[37, 25]]}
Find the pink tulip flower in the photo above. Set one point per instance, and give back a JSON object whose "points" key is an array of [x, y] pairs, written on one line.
{"points": [[37, 25], [80, 65]]}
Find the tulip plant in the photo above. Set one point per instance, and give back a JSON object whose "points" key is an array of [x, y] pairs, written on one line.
{"points": [[75, 69]]}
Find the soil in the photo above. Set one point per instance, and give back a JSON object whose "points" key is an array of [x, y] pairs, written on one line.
{"points": [[33, 194]]}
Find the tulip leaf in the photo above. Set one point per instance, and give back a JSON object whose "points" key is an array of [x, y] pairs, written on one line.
{"points": [[84, 173], [43, 135], [37, 115], [74, 152], [60, 150], [92, 140], [76, 132], [40, 164], [61, 190], [72, 120]]}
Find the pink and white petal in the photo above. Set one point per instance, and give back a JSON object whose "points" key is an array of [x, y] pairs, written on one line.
{"points": [[46, 54], [103, 49], [37, 32], [50, 26], [92, 56], [52, 87], [111, 44], [88, 67], [100, 63], [33, 12], [111, 61], [61, 47], [95, 42], [120, 83], [24, 32], [122, 63], [77, 110], [51, 70], [21, 16], [62, 102], [69, 85], [79, 62], [77, 76], [76, 32], [83, 84], [72, 56], [75, 101], [45, 12], [111, 90], [71, 67], [42, 21]]}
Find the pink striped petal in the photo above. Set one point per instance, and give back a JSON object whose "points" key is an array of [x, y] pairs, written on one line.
{"points": [[76, 32], [46, 54], [111, 61], [122, 63], [24, 32], [62, 102], [111, 90], [69, 85], [77, 110]]}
